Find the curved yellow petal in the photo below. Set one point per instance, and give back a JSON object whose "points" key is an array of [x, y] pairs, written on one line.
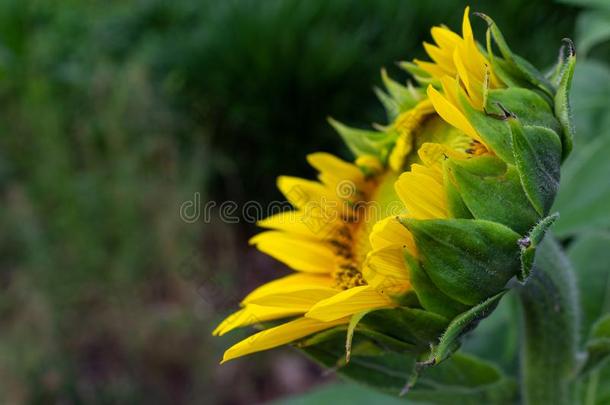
{"points": [[302, 280], [252, 314], [302, 193], [295, 222], [450, 113], [297, 253], [334, 170], [390, 232], [385, 270], [278, 336], [434, 153], [422, 194], [445, 38], [466, 27], [349, 302], [301, 297], [441, 57], [432, 68]]}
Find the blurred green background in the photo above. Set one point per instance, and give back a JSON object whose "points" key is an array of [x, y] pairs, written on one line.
{"points": [[115, 113]]}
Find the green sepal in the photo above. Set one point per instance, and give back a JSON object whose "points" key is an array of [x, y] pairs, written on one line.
{"points": [[391, 106], [460, 325], [562, 101], [529, 244], [492, 195], [538, 159], [556, 72], [516, 65], [455, 203], [418, 73], [491, 125], [468, 260], [428, 294], [598, 346], [411, 325], [363, 142], [406, 97]]}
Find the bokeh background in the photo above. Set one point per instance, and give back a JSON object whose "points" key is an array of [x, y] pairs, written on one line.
{"points": [[114, 114]]}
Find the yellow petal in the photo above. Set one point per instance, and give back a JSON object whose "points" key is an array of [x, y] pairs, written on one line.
{"points": [[385, 270], [252, 314], [279, 335], [296, 252], [334, 170], [349, 302], [461, 69], [302, 193], [296, 222], [442, 58], [303, 280], [432, 68], [390, 232], [450, 113], [434, 153], [297, 297], [445, 38], [466, 27], [422, 194]]}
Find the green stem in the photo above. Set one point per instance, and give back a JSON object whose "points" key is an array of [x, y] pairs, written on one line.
{"points": [[549, 327], [592, 388]]}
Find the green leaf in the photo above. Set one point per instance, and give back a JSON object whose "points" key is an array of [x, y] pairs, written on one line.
{"points": [[589, 97], [461, 378], [590, 255], [584, 193], [598, 347], [464, 379], [459, 326], [497, 197], [589, 3], [384, 370], [363, 142], [341, 393], [538, 158], [468, 260], [592, 28]]}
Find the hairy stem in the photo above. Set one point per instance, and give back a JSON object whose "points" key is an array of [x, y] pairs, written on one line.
{"points": [[550, 319]]}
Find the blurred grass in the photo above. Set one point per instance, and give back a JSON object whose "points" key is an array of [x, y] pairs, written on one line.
{"points": [[114, 113]]}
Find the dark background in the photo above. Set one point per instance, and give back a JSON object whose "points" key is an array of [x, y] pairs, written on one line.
{"points": [[114, 113]]}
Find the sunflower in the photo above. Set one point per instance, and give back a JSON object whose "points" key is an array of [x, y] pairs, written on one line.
{"points": [[349, 238]]}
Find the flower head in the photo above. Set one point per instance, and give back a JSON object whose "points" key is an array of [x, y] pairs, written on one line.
{"points": [[421, 234]]}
